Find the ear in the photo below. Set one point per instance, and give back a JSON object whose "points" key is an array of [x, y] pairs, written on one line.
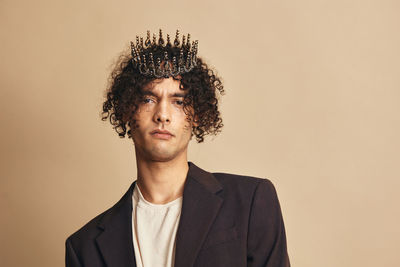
{"points": [[195, 121]]}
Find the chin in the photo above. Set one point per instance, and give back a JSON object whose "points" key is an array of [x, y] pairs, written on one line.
{"points": [[161, 157], [160, 153]]}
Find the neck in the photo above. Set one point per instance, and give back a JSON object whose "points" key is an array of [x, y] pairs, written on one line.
{"points": [[161, 182]]}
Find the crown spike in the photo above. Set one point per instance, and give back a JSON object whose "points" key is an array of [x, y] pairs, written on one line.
{"points": [[168, 41], [147, 43], [188, 41], [137, 42], [154, 43], [133, 52], [133, 49], [183, 41], [160, 39], [176, 42]]}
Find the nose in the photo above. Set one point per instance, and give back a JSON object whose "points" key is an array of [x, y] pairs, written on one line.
{"points": [[162, 114]]}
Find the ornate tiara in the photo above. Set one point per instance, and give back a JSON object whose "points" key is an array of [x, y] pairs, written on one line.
{"points": [[161, 59]]}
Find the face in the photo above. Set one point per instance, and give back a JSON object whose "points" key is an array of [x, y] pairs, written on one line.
{"points": [[162, 131]]}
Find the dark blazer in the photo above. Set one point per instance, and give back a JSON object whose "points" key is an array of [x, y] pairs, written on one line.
{"points": [[226, 220]]}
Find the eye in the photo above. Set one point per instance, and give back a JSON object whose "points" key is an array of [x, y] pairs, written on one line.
{"points": [[147, 100], [179, 102]]}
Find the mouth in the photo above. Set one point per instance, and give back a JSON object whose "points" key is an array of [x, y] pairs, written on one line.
{"points": [[161, 134]]}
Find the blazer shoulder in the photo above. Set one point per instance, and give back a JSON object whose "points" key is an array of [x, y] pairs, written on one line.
{"points": [[92, 228], [242, 180], [88, 231], [244, 185]]}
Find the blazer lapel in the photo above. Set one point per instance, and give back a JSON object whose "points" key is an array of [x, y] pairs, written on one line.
{"points": [[115, 243], [200, 206]]}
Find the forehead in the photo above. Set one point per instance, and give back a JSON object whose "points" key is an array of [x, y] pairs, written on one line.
{"points": [[163, 86]]}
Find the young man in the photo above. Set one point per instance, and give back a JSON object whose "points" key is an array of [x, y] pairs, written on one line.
{"points": [[175, 213]]}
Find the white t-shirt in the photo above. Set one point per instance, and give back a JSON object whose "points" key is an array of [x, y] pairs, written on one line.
{"points": [[154, 229]]}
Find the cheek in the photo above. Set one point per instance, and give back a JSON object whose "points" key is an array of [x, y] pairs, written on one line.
{"points": [[135, 123], [187, 125], [186, 128], [141, 115]]}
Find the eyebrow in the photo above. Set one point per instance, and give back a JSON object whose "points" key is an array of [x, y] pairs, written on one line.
{"points": [[148, 92]]}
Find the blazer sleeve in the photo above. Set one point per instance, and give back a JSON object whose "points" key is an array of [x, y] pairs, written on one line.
{"points": [[71, 259], [266, 244]]}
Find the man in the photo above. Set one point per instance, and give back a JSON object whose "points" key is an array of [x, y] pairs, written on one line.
{"points": [[175, 213]]}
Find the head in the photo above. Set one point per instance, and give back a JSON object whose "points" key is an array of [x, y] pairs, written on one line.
{"points": [[184, 103]]}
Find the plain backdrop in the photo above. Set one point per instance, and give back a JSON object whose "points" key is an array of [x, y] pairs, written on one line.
{"points": [[312, 103]]}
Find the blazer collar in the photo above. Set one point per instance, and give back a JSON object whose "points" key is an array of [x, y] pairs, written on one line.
{"points": [[200, 206]]}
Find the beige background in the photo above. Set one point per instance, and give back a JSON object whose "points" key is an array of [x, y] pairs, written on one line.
{"points": [[312, 103]]}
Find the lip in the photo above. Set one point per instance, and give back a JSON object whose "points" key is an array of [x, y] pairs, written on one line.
{"points": [[161, 134]]}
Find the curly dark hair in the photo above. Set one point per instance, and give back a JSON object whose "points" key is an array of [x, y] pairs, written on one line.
{"points": [[124, 94]]}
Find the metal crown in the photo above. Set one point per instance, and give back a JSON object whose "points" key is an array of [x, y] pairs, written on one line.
{"points": [[161, 59]]}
